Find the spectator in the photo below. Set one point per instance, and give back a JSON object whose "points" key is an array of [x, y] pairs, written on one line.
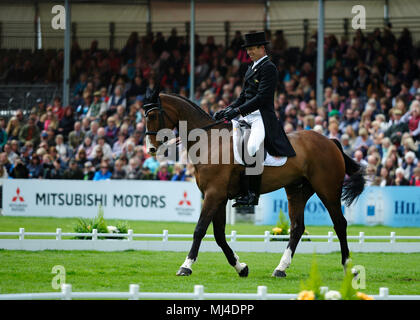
{"points": [[13, 128], [412, 117], [106, 149], [19, 170], [117, 147], [3, 137], [115, 100], [35, 167], [81, 158], [66, 124], [162, 172], [97, 107], [384, 179], [179, 172], [415, 180], [134, 169], [152, 164], [76, 136], [97, 156], [400, 180], [73, 172], [4, 161], [88, 171], [103, 173], [49, 120], [111, 131], [408, 165], [30, 132], [11, 155], [119, 172], [63, 150]]}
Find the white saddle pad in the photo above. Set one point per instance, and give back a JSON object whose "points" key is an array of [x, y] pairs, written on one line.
{"points": [[269, 159]]}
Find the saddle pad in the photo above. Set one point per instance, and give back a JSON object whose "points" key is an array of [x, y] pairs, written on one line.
{"points": [[237, 134]]}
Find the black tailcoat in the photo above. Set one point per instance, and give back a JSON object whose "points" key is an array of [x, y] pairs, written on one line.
{"points": [[258, 94]]}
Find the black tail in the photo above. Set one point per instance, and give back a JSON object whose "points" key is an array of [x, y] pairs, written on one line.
{"points": [[354, 185]]}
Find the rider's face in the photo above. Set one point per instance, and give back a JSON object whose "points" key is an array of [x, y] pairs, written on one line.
{"points": [[256, 52]]}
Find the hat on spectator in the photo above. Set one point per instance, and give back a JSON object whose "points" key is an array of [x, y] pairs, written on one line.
{"points": [[88, 164], [44, 134], [140, 97], [39, 100], [97, 94], [396, 111], [333, 113]]}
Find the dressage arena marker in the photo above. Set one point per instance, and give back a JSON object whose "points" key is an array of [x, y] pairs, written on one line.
{"points": [[198, 294], [391, 243]]}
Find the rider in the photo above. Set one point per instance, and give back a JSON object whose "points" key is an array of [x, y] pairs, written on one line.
{"points": [[255, 105]]}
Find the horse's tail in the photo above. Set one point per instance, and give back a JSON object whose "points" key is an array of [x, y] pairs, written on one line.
{"points": [[354, 185]]}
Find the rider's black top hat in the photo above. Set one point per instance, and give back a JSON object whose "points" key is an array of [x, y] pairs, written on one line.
{"points": [[255, 39]]}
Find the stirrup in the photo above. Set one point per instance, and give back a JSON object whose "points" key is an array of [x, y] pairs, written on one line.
{"points": [[251, 199]]}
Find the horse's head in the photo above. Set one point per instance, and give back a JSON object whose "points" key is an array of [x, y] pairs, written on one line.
{"points": [[157, 119]]}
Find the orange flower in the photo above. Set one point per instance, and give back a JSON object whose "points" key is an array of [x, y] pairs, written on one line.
{"points": [[306, 295], [363, 296]]}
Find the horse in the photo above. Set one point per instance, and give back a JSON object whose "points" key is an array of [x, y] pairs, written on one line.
{"points": [[320, 166]]}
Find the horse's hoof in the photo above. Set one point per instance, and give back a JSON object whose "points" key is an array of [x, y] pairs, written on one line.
{"points": [[279, 274], [244, 272], [184, 272]]}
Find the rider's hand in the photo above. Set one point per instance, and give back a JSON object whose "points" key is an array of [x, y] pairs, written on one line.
{"points": [[231, 113], [219, 114]]}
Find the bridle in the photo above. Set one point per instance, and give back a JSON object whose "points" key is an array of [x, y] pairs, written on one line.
{"points": [[156, 106], [153, 106]]}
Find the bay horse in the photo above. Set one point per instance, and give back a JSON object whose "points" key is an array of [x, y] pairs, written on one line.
{"points": [[320, 166]]}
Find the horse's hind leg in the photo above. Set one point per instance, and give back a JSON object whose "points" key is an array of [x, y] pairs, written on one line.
{"points": [[219, 224], [297, 196], [332, 201], [340, 227]]}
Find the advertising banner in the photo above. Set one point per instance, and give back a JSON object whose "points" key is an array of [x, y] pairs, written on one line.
{"points": [[390, 206], [120, 199]]}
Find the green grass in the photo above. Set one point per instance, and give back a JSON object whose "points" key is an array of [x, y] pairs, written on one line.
{"points": [[22, 271], [49, 224]]}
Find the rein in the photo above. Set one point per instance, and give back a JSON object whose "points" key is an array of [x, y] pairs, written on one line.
{"points": [[157, 106]]}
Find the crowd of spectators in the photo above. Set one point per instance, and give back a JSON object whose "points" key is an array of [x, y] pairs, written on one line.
{"points": [[371, 103]]}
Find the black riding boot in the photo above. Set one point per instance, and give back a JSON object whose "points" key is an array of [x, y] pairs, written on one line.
{"points": [[251, 195]]}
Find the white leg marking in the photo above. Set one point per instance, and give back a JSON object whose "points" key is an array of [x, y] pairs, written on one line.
{"points": [[188, 263], [286, 260], [239, 266]]}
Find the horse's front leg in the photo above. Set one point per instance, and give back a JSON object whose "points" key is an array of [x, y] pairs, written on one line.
{"points": [[213, 200]]}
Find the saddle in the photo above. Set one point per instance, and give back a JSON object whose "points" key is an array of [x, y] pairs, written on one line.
{"points": [[241, 132]]}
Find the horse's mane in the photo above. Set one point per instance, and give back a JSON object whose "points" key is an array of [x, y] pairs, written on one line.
{"points": [[194, 105]]}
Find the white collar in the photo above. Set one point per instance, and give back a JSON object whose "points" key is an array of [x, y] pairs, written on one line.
{"points": [[258, 61]]}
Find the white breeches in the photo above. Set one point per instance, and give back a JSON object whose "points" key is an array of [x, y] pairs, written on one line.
{"points": [[257, 133]]}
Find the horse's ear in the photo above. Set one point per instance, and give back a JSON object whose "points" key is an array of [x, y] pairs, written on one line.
{"points": [[153, 97]]}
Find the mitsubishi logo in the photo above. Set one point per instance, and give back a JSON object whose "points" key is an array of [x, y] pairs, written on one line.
{"points": [[18, 196], [185, 200]]}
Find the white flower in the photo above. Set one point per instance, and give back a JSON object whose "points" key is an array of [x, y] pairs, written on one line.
{"points": [[332, 295], [112, 229]]}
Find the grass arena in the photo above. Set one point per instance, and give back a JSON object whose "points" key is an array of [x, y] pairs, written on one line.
{"points": [[154, 271]]}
